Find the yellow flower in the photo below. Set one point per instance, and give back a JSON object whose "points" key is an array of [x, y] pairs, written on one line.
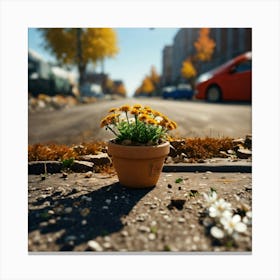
{"points": [[125, 108], [148, 109], [137, 106], [156, 113], [151, 121], [163, 123], [134, 111], [112, 117], [112, 110], [166, 119], [171, 125], [143, 117], [104, 122], [174, 124]]}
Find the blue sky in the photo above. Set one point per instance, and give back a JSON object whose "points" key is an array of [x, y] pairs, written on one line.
{"points": [[140, 48]]}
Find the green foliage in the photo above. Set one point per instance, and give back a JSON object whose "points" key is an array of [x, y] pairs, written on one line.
{"points": [[140, 132], [68, 162]]}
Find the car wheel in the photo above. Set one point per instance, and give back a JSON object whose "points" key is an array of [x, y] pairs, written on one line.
{"points": [[213, 94]]}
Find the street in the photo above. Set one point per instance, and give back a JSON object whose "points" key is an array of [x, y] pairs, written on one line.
{"points": [[195, 119]]}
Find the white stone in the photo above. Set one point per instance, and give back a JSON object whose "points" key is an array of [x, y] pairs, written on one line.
{"points": [[94, 246], [152, 236], [68, 210]]}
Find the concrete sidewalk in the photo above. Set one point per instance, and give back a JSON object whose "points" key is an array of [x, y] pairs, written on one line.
{"points": [[83, 212]]}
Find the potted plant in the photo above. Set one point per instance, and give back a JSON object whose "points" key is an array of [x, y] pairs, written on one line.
{"points": [[140, 145]]}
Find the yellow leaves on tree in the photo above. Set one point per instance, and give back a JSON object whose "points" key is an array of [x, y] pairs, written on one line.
{"points": [[154, 77], [188, 71], [99, 43], [150, 83], [96, 43], [204, 45], [80, 46], [121, 90], [147, 85]]}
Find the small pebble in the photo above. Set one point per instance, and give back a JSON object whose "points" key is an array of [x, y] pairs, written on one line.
{"points": [[124, 233], [68, 210], [88, 174], [140, 218], [107, 238], [153, 206], [84, 212], [151, 236], [43, 224], [196, 239], [107, 245], [153, 223], [94, 246], [181, 220], [144, 229], [108, 201], [52, 221]]}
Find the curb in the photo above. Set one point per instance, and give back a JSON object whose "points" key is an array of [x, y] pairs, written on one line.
{"points": [[233, 168], [37, 168]]}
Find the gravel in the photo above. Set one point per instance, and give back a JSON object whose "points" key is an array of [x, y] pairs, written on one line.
{"points": [[97, 214]]}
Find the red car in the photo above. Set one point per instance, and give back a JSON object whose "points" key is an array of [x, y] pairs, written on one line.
{"points": [[231, 81]]}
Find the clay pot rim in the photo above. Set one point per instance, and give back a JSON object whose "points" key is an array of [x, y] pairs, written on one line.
{"points": [[112, 142], [140, 152]]}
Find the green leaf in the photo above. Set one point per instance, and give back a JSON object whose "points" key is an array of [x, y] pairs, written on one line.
{"points": [[178, 180]]}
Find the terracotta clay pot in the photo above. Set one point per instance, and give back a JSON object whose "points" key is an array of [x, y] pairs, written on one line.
{"points": [[138, 166]]}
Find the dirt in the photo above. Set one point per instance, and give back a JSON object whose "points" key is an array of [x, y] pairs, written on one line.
{"points": [[92, 212]]}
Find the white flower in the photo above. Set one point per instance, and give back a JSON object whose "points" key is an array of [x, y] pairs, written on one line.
{"points": [[248, 218], [210, 198], [233, 224], [158, 119], [219, 209], [217, 232]]}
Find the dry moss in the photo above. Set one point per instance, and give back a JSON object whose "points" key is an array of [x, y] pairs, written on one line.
{"points": [[202, 148], [194, 148], [61, 152]]}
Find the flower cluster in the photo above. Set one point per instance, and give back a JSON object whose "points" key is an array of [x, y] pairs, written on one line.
{"points": [[225, 224], [138, 124]]}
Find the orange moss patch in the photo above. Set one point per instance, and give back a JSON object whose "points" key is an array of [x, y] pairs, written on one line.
{"points": [[194, 148], [61, 152], [202, 148]]}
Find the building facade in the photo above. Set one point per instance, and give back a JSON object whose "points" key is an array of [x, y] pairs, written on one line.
{"points": [[166, 77], [230, 42]]}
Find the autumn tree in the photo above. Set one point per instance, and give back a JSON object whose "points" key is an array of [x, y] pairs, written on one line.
{"points": [[204, 47], [150, 83], [121, 90], [155, 78], [80, 46], [188, 70]]}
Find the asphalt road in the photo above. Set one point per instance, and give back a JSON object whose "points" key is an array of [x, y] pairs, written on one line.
{"points": [[195, 119]]}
